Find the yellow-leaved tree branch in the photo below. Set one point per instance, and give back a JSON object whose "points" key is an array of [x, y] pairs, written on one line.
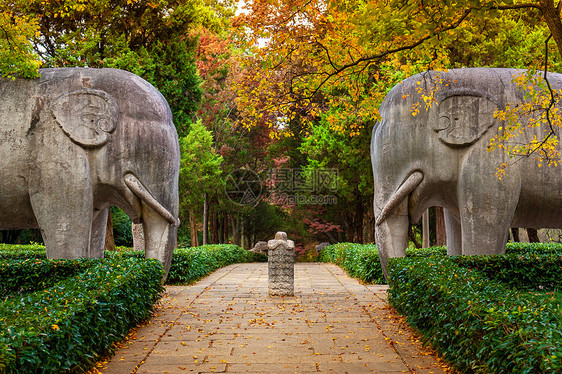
{"points": [[16, 52], [541, 109]]}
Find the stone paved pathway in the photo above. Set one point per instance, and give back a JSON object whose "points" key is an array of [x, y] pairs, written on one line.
{"points": [[228, 323]]}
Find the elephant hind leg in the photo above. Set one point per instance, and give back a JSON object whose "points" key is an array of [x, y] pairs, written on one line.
{"points": [[97, 239], [454, 236]]}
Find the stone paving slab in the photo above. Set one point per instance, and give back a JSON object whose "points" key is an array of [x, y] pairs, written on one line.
{"points": [[227, 323]]}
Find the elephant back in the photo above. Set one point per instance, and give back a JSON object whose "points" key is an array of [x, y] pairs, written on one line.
{"points": [[458, 104]]}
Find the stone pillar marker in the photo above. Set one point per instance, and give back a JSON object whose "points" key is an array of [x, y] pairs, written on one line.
{"points": [[138, 237], [281, 265]]}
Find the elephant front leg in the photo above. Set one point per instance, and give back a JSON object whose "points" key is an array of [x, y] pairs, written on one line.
{"points": [[487, 206], [61, 199]]}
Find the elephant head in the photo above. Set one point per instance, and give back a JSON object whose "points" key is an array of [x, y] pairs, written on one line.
{"points": [[88, 139], [439, 157]]}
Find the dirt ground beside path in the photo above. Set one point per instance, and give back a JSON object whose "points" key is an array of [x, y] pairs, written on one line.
{"points": [[227, 322]]}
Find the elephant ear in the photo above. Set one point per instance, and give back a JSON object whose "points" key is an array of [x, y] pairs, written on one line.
{"points": [[87, 116], [462, 116]]}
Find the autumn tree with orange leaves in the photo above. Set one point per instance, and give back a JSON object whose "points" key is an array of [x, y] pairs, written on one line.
{"points": [[347, 54], [327, 65]]}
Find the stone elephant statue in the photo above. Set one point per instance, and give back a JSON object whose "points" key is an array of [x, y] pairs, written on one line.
{"points": [[77, 141], [439, 157]]}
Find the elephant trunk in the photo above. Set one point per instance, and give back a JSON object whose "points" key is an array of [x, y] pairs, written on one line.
{"points": [[393, 220], [159, 237], [159, 224], [392, 236]]}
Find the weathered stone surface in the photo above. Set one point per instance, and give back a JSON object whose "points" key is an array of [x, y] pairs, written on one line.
{"points": [[138, 237], [260, 247], [77, 141], [281, 266], [439, 157], [321, 246]]}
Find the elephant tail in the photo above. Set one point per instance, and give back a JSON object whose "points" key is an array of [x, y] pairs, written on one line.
{"points": [[142, 193], [405, 189]]}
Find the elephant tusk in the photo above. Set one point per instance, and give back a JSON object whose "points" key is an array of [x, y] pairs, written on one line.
{"points": [[400, 194], [142, 193]]}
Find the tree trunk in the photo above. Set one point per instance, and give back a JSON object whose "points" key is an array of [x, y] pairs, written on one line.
{"points": [[10, 236], [206, 220], [214, 227], [370, 223], [412, 237], [193, 229], [109, 239], [226, 227], [214, 222], [221, 229], [348, 230], [235, 230], [425, 229], [440, 223], [533, 236], [242, 234], [551, 17], [359, 221]]}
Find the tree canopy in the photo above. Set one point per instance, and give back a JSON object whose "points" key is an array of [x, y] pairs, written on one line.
{"points": [[287, 84]]}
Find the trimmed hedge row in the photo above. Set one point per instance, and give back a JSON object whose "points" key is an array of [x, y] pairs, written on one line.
{"points": [[362, 260], [480, 324], [523, 271], [61, 314], [358, 260], [191, 264], [23, 251], [188, 264], [65, 326], [19, 276]]}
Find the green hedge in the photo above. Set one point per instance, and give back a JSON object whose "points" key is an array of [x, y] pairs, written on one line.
{"points": [[362, 260], [23, 251], [65, 326], [60, 314], [358, 260], [191, 264], [19, 276], [188, 264], [520, 270], [480, 324]]}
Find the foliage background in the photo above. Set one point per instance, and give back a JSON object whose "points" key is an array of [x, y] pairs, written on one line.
{"points": [[277, 84]]}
